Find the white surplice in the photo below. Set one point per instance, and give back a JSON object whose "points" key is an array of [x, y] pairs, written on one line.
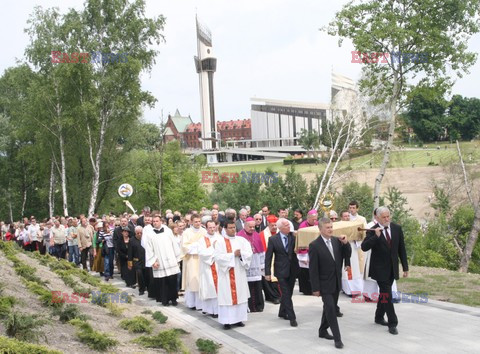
{"points": [[228, 313], [355, 285], [191, 270], [162, 247]]}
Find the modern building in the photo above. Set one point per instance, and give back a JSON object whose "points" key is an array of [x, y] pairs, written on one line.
{"points": [[206, 65]]}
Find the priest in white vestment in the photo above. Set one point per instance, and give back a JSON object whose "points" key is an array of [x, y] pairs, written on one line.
{"points": [[233, 255], [208, 270], [163, 253], [190, 270], [354, 285]]}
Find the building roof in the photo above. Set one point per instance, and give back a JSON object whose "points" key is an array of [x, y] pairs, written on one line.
{"points": [[180, 122], [284, 103], [168, 131], [193, 127], [234, 124]]}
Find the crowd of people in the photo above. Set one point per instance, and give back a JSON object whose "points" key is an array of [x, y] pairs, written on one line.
{"points": [[227, 264]]}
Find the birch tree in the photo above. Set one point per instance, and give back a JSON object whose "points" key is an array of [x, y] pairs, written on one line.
{"points": [[466, 253], [410, 40], [344, 131]]}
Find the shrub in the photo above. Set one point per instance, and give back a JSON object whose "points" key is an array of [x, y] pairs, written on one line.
{"points": [[159, 317], [93, 339], [45, 296], [115, 310], [168, 340], [70, 312], [23, 327], [207, 346], [147, 312], [137, 324], [6, 304], [11, 345]]}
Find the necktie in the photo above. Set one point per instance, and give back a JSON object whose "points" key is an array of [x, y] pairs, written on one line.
{"points": [[157, 231], [330, 248], [285, 242], [387, 236]]}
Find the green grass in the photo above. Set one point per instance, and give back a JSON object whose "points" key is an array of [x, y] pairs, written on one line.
{"points": [[11, 345], [137, 324], [95, 340], [403, 158], [168, 340], [207, 346], [443, 285]]}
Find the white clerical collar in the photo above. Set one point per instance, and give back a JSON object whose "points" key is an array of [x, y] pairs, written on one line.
{"points": [[353, 217], [196, 230], [210, 236]]}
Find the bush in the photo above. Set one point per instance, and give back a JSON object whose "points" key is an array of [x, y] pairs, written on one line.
{"points": [[6, 304], [93, 339], [207, 346], [23, 327], [137, 324], [168, 340], [11, 345], [69, 313], [114, 309], [45, 296], [159, 317], [305, 160]]}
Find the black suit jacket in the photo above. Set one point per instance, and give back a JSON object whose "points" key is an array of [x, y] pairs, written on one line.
{"points": [[286, 263], [326, 273], [384, 258]]}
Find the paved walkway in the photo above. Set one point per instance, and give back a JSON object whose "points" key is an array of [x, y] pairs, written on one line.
{"points": [[433, 327]]}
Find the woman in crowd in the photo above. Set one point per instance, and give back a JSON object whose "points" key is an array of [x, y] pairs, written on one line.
{"points": [[105, 237], [98, 265], [123, 243]]}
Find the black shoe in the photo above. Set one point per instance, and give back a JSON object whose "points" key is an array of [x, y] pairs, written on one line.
{"points": [[165, 304], [381, 322], [293, 323], [174, 302], [204, 313], [276, 301], [215, 316], [192, 308], [240, 324], [285, 317], [140, 293], [325, 334], [339, 344], [339, 314], [393, 330], [227, 326]]}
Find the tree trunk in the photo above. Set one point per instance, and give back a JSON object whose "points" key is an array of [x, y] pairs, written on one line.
{"points": [[63, 168], [51, 191], [63, 175], [24, 191], [471, 241], [388, 146], [96, 163]]}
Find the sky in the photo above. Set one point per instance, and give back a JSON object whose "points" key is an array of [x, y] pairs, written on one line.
{"points": [[264, 48]]}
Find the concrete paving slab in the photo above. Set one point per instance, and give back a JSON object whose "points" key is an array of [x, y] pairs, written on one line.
{"points": [[432, 327]]}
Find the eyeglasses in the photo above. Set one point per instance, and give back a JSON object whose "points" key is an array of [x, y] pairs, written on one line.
{"points": [[258, 219], [333, 218]]}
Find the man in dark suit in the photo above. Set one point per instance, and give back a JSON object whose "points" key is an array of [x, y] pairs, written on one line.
{"points": [[326, 255], [242, 216], [285, 267], [387, 244]]}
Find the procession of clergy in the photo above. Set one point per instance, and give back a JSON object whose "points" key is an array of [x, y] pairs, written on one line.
{"points": [[228, 264]]}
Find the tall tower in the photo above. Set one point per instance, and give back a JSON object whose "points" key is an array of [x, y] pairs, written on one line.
{"points": [[206, 65]]}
